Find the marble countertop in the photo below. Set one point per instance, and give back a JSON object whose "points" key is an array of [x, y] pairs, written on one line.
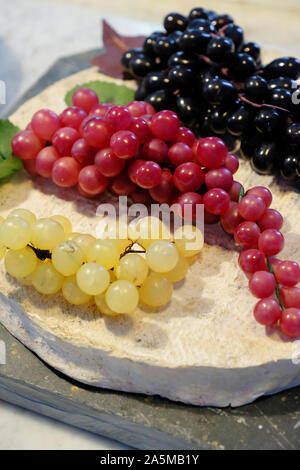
{"points": [[33, 35]]}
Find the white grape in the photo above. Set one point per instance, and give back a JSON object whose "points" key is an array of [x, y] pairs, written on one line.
{"points": [[46, 234], [188, 240], [104, 252], [46, 279], [67, 257], [102, 305], [179, 271], [84, 241], [72, 293], [122, 297], [25, 214], [132, 267], [20, 263], [162, 256], [15, 233], [64, 222], [92, 278], [156, 291], [147, 230]]}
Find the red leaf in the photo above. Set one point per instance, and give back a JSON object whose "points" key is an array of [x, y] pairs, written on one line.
{"points": [[109, 62]]}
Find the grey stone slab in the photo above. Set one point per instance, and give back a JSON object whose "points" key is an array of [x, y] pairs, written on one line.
{"points": [[141, 422]]}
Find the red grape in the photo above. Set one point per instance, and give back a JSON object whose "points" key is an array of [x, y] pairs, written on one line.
{"points": [[262, 284], [271, 219], [124, 144], [180, 153], [210, 219], [211, 152], [141, 196], [63, 140], [216, 201], [97, 132], [231, 163], [108, 163], [92, 181], [155, 150], [45, 160], [122, 185], [185, 136], [100, 110], [188, 177], [132, 168], [290, 322], [262, 192], [246, 234], [140, 128], [290, 296], [83, 152], [44, 123], [148, 174], [252, 260], [165, 125], [165, 192], [65, 172], [72, 117], [30, 166], [287, 273], [188, 205], [267, 311], [119, 117], [26, 145], [219, 178], [85, 99], [231, 218], [139, 108], [252, 207], [235, 190], [270, 242]]}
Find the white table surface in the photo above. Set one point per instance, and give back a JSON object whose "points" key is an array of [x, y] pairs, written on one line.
{"points": [[33, 34]]}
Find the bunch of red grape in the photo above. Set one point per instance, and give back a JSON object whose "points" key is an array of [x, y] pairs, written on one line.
{"points": [[130, 150]]}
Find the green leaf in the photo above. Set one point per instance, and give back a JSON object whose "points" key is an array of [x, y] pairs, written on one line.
{"points": [[107, 92], [8, 162], [7, 131]]}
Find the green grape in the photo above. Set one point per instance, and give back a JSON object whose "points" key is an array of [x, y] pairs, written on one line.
{"points": [[156, 291], [162, 256], [105, 252], [64, 222], [46, 234], [179, 272], [92, 278], [20, 263], [133, 268], [25, 214], [188, 240], [147, 230], [85, 241], [67, 257], [15, 233], [102, 305], [46, 279], [73, 294], [122, 297]]}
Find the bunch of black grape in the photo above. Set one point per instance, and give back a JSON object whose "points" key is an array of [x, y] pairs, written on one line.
{"points": [[201, 68]]}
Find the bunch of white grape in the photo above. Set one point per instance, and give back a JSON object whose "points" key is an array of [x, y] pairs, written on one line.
{"points": [[115, 273]]}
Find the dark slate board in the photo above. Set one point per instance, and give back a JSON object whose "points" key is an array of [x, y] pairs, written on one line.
{"points": [[138, 421]]}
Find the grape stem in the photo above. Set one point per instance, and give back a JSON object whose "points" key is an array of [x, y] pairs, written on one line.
{"points": [[277, 291], [41, 254], [128, 249], [257, 105], [242, 194]]}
